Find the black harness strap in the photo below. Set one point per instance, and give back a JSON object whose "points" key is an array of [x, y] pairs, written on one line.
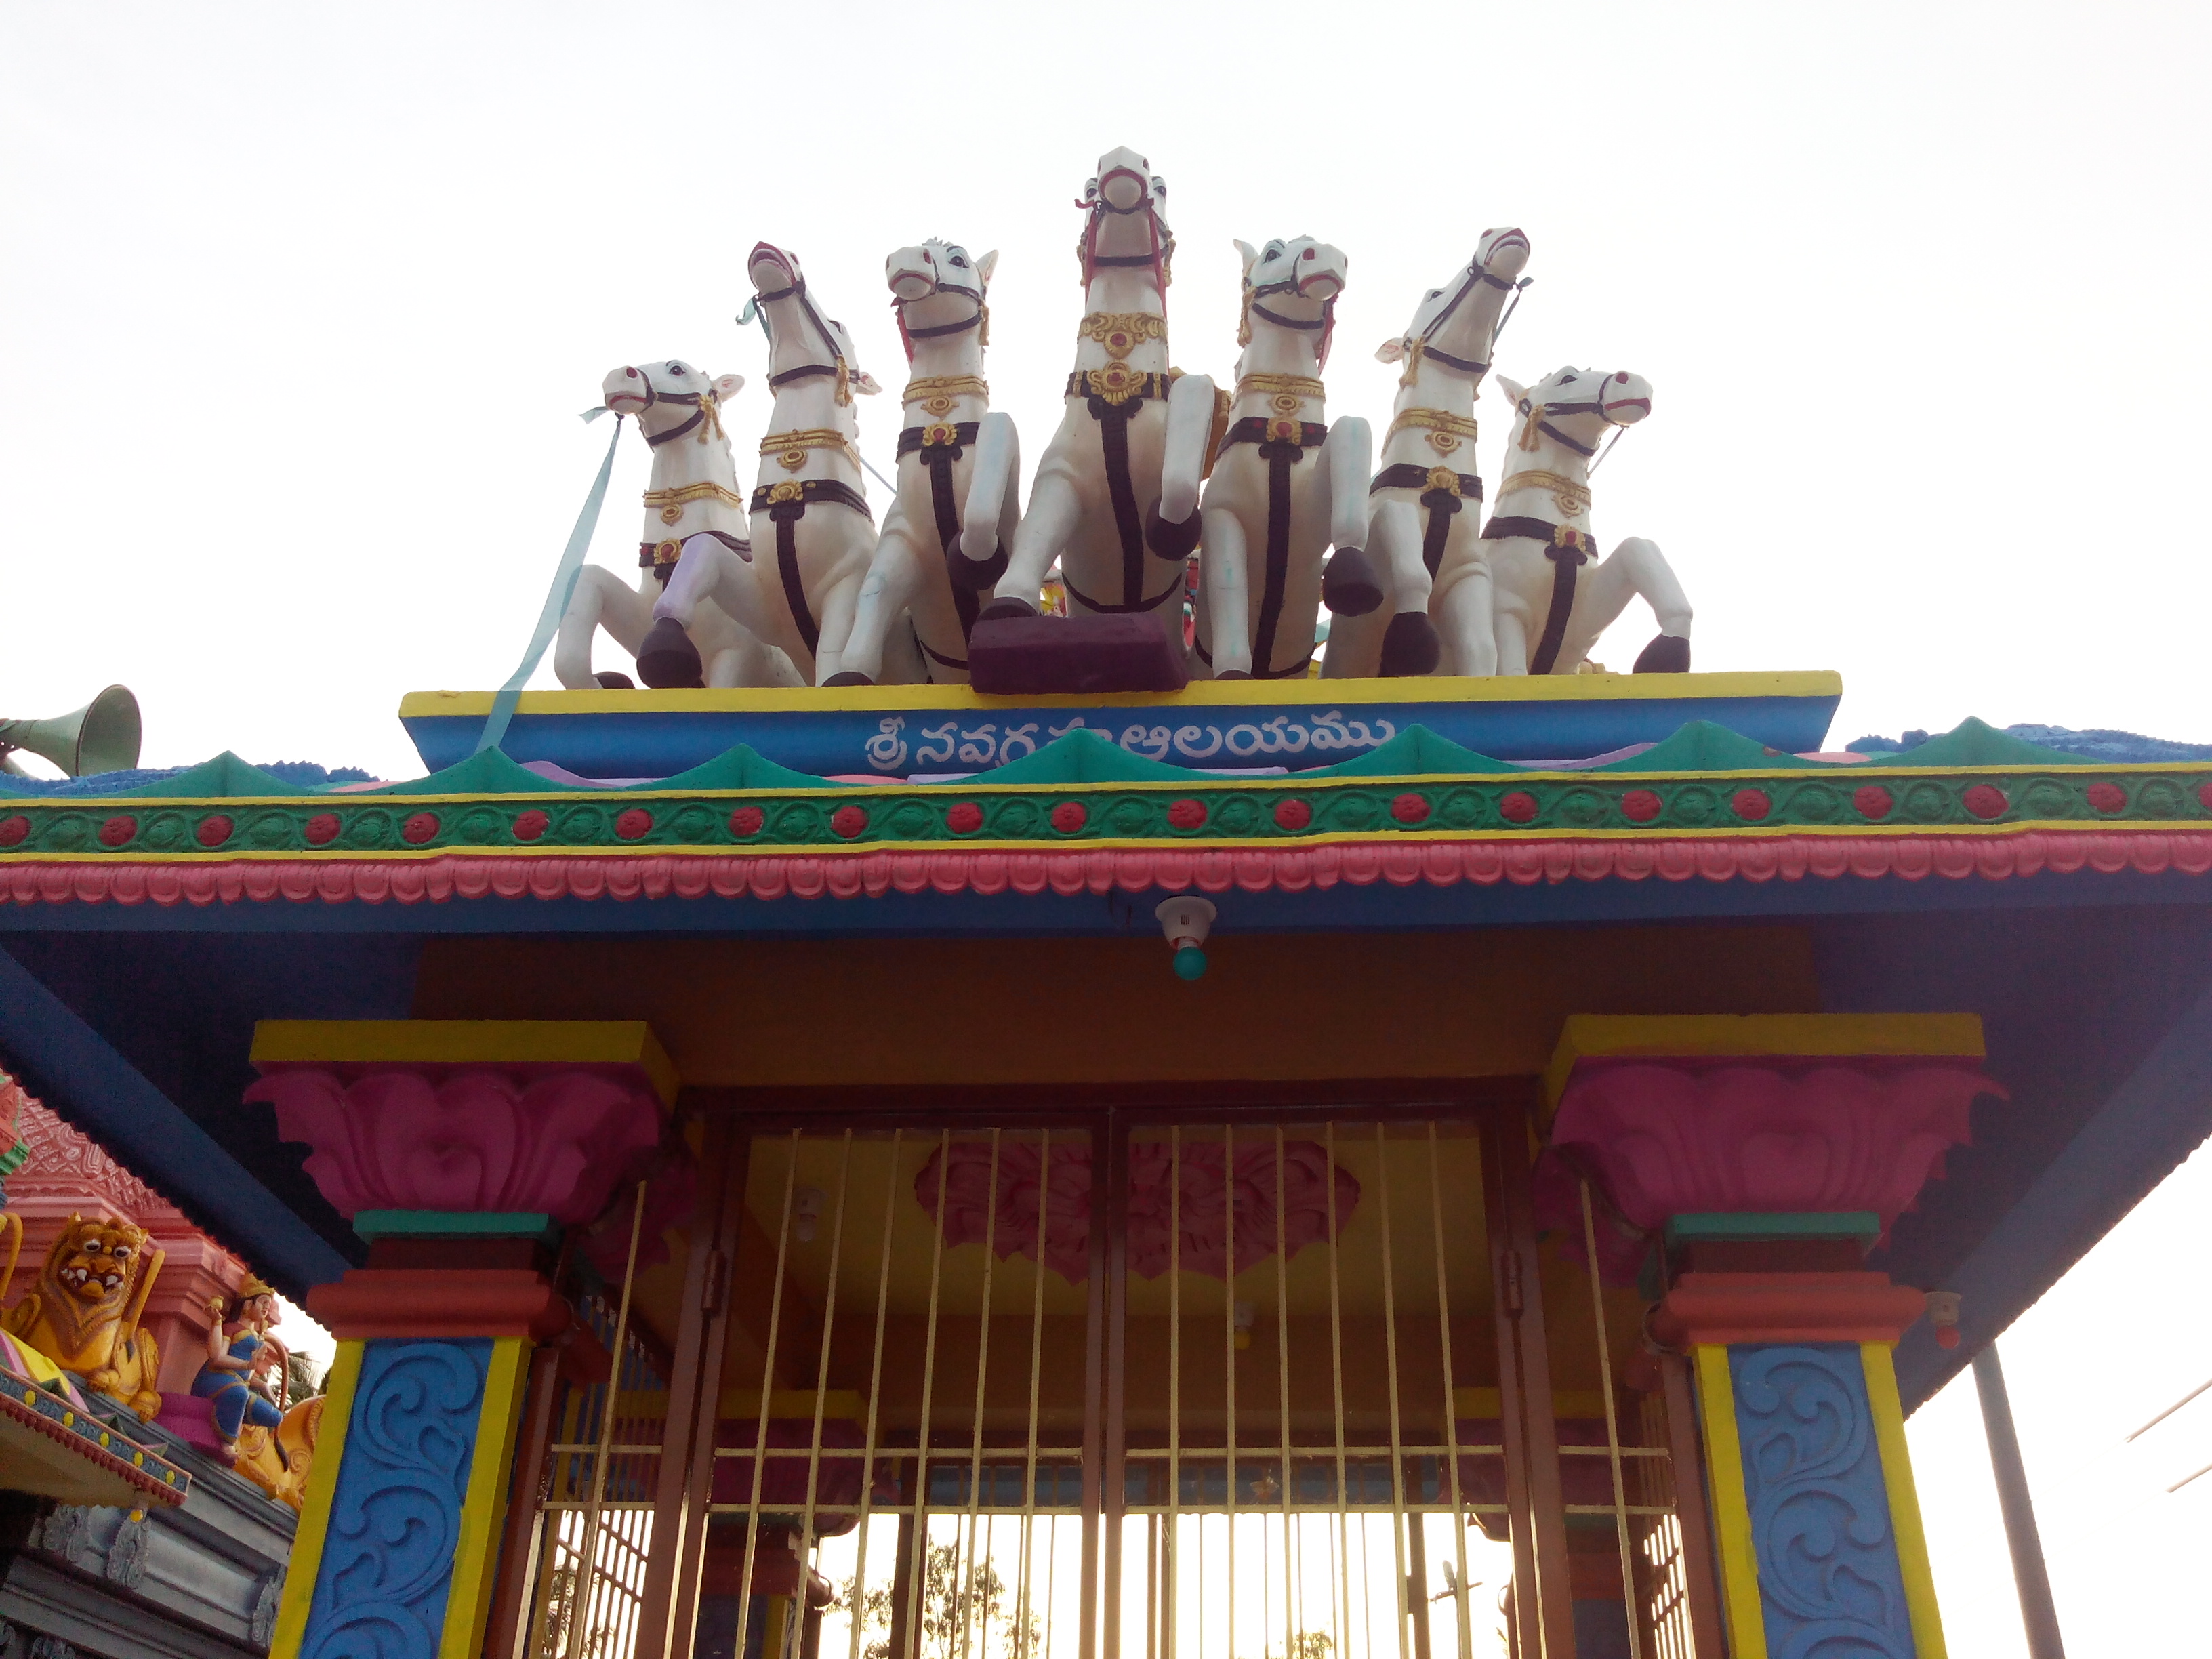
{"points": [[940, 446], [1138, 609], [1295, 671], [1439, 498], [1568, 549], [1114, 418], [1282, 444], [785, 513]]}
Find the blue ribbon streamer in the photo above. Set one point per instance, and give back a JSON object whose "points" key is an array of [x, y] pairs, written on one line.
{"points": [[557, 597]]}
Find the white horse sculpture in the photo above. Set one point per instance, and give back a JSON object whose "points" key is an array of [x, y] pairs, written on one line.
{"points": [[1548, 611], [811, 522], [1285, 486], [1428, 494], [693, 491], [958, 463], [1131, 447]]}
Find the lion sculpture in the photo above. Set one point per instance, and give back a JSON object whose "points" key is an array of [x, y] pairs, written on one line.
{"points": [[84, 1313]]}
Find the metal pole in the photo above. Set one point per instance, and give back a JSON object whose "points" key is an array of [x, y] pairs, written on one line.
{"points": [[2036, 1611]]}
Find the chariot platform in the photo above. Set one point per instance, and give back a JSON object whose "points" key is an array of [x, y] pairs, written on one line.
{"points": [[902, 731]]}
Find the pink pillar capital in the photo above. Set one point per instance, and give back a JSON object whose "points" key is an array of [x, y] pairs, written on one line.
{"points": [[542, 1117]]}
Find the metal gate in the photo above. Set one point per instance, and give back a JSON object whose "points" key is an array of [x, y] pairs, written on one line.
{"points": [[1214, 1386]]}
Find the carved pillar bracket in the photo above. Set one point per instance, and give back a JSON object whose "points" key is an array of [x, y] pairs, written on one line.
{"points": [[458, 1149], [546, 1117], [1762, 1155]]}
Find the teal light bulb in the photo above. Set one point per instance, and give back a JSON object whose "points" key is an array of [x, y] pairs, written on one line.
{"points": [[1190, 961]]}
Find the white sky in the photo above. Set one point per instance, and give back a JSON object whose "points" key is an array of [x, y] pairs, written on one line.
{"points": [[300, 305]]}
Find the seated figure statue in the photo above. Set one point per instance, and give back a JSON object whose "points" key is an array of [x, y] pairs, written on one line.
{"points": [[239, 1352]]}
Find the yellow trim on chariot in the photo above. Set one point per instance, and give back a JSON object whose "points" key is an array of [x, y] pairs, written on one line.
{"points": [[1589, 1036], [1912, 1562], [314, 1528], [1746, 1618], [466, 1041], [476, 1553], [1200, 694]]}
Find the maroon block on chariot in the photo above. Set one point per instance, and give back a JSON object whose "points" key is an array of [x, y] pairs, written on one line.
{"points": [[1028, 656]]}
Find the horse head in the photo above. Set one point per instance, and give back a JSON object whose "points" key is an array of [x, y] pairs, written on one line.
{"points": [[1292, 284], [1125, 225], [669, 398], [802, 342], [1577, 406], [937, 289], [1457, 324]]}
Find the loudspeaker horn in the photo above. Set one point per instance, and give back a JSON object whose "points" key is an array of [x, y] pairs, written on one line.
{"points": [[100, 737]]}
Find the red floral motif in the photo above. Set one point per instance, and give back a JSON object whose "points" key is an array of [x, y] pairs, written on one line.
{"points": [[529, 826], [2107, 797], [963, 817], [747, 821], [1186, 814], [1640, 805], [215, 830], [419, 828], [1069, 817], [118, 830], [1518, 807], [1410, 808], [1193, 1201], [1750, 805], [322, 829], [13, 829], [1873, 801], [849, 821], [1984, 800], [631, 824], [1293, 814]]}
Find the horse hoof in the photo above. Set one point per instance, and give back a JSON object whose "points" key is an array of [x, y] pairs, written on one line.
{"points": [[610, 680], [973, 575], [1665, 655], [849, 677], [1234, 674], [668, 660], [1006, 610], [1410, 646], [1348, 586], [1170, 541]]}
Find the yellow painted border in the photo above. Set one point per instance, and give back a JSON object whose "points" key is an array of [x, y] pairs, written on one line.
{"points": [[475, 1554], [1587, 1036], [1204, 694], [1912, 1563], [460, 1041], [1747, 1617], [315, 1515]]}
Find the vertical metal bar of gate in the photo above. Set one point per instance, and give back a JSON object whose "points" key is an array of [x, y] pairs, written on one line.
{"points": [[1114, 1222], [1463, 1619]]}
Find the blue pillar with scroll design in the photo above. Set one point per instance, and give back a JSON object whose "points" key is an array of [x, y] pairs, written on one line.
{"points": [[389, 1545]]}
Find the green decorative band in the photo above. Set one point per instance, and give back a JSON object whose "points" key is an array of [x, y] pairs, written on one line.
{"points": [[1224, 812], [1734, 1224], [456, 1224], [13, 1159]]}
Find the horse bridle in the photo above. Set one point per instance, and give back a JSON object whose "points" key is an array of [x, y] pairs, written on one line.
{"points": [[909, 336], [1535, 413], [1476, 273], [1157, 260], [1325, 323], [710, 402], [841, 368]]}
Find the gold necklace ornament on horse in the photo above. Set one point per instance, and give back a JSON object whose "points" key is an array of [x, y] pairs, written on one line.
{"points": [[790, 448], [1445, 430], [935, 392], [1121, 331], [672, 502], [1287, 393], [1571, 498]]}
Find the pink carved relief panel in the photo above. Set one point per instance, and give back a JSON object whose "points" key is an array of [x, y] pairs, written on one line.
{"points": [[1241, 1210]]}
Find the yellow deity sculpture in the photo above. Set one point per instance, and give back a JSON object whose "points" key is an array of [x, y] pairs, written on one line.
{"points": [[84, 1313]]}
